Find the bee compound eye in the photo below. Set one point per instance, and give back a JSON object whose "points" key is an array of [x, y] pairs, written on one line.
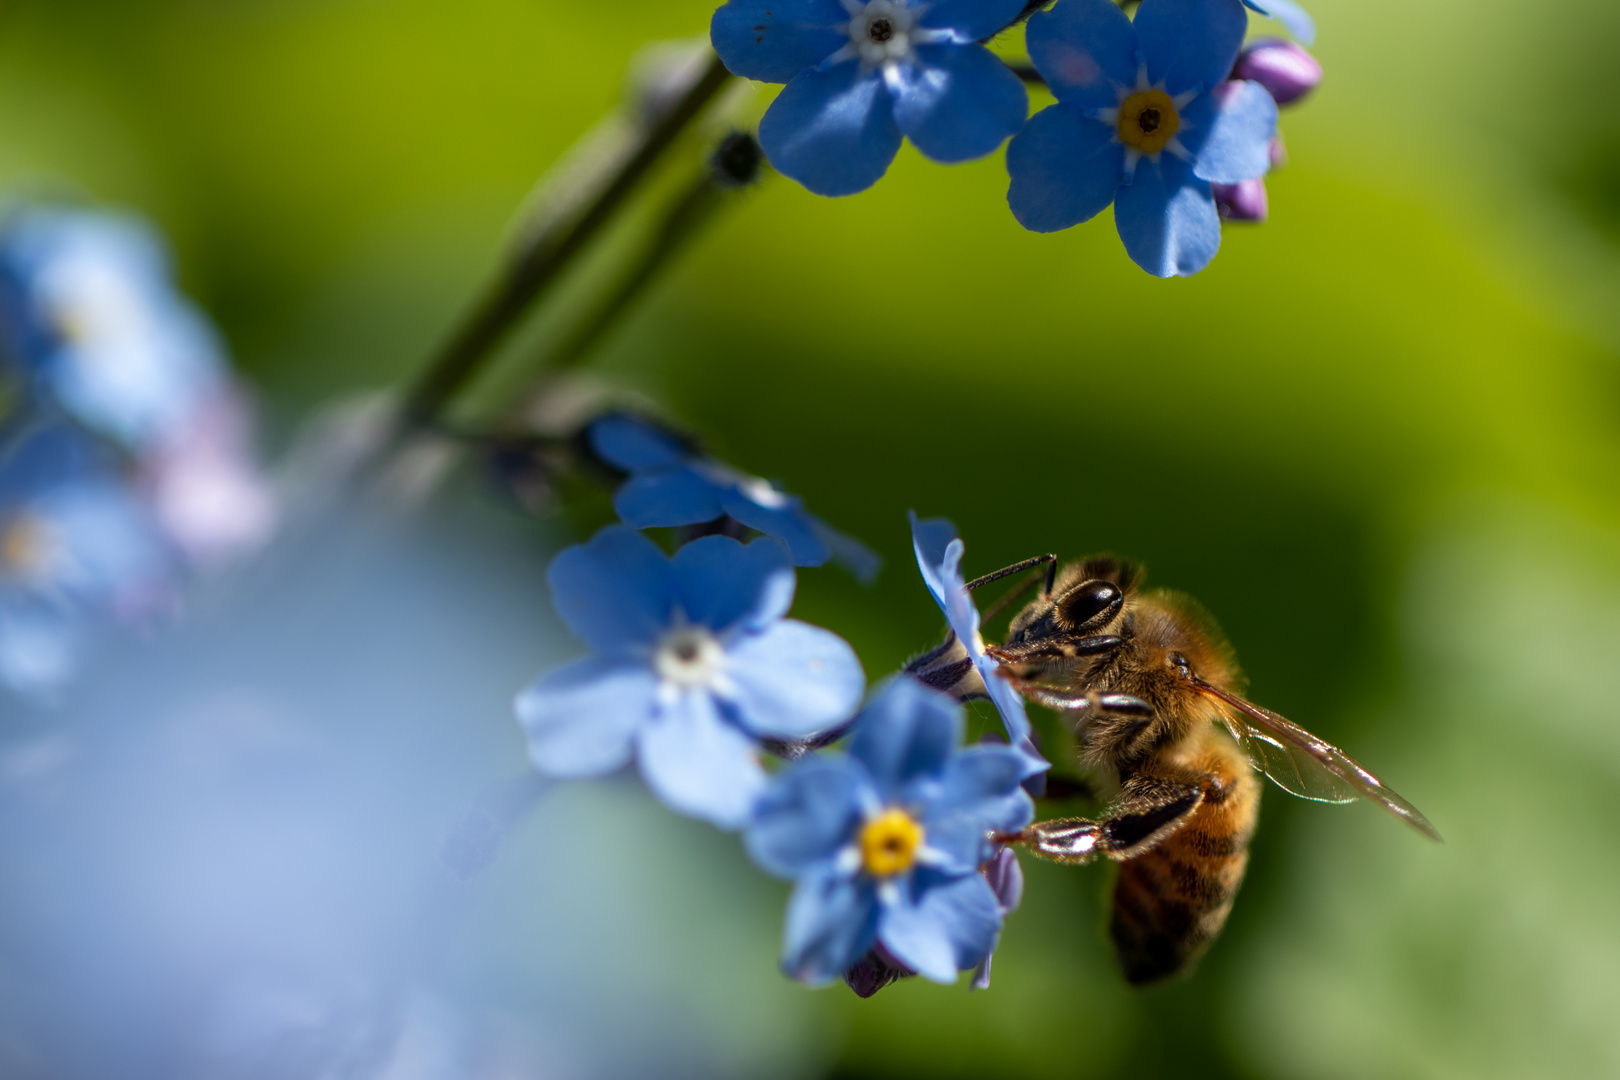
{"points": [[1086, 602]]}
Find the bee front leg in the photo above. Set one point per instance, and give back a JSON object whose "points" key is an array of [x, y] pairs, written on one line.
{"points": [[1147, 810]]}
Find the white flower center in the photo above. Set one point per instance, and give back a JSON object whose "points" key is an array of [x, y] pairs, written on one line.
{"points": [[882, 31], [689, 657]]}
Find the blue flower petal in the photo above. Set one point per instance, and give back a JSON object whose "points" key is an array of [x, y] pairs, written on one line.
{"points": [[1167, 218], [774, 40], [957, 102], [1295, 19], [662, 499], [788, 522], [582, 719], [831, 923], [725, 585], [939, 556], [1190, 44], [1010, 704], [907, 731], [614, 592], [808, 814], [633, 444], [41, 649], [793, 679], [942, 925], [978, 794], [1232, 141], [833, 131], [1085, 50], [1064, 169], [697, 763], [931, 539], [973, 20]]}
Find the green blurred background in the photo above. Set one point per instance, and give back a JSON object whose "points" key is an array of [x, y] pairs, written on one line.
{"points": [[1378, 438]]}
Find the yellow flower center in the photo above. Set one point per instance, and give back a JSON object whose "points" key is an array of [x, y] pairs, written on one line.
{"points": [[889, 843], [1147, 121], [25, 546]]}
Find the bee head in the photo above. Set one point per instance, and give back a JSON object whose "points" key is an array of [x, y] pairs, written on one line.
{"points": [[1087, 598]]}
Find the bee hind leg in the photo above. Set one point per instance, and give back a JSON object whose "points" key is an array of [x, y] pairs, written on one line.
{"points": [[1147, 810]]}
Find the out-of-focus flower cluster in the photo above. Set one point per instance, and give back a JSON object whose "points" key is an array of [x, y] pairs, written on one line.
{"points": [[126, 448], [1166, 116], [698, 679]]}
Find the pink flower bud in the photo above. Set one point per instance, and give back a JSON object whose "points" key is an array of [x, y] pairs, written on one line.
{"points": [[1241, 202], [1283, 68]]}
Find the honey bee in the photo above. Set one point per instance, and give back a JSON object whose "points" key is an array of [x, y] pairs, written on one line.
{"points": [[1153, 687]]}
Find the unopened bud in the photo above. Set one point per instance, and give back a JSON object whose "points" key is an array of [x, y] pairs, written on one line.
{"points": [[737, 159], [1279, 154], [872, 972], [1287, 71], [1244, 201]]}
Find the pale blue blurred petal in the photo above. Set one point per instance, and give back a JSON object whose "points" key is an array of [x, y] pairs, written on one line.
{"points": [[699, 764], [581, 719], [942, 925], [977, 794], [808, 814], [831, 923], [793, 679], [905, 732]]}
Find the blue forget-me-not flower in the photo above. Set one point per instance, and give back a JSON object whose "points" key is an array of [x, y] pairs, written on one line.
{"points": [[75, 546], [670, 485], [885, 843], [1137, 124], [862, 73], [91, 316], [939, 558], [695, 664]]}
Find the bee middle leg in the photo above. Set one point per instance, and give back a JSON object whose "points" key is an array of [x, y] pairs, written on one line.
{"points": [[1148, 809]]}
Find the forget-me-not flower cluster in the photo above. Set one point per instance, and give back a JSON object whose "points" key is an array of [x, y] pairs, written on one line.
{"points": [[126, 456], [1138, 123]]}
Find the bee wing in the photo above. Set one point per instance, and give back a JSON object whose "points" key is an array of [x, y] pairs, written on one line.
{"points": [[1300, 763]]}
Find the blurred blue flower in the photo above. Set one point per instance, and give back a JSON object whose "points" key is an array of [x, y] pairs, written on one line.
{"points": [[862, 73], [885, 843], [671, 485], [695, 664], [1137, 125], [90, 315], [75, 544], [939, 558]]}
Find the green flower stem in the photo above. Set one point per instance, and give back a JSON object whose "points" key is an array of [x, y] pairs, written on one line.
{"points": [[541, 261]]}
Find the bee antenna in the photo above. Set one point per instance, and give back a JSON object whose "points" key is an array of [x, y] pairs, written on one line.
{"points": [[996, 608]]}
